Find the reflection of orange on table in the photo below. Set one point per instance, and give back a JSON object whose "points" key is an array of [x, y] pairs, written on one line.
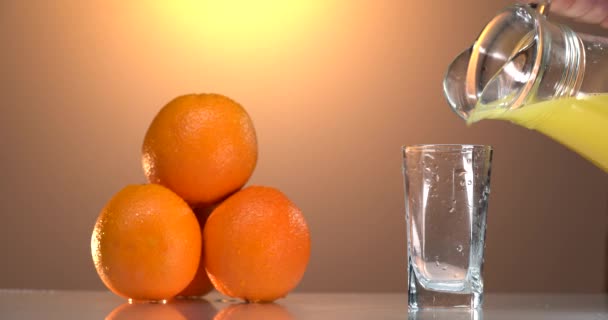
{"points": [[146, 311], [172, 310], [246, 311]]}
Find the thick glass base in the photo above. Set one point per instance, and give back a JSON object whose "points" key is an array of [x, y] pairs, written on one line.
{"points": [[421, 298], [446, 314]]}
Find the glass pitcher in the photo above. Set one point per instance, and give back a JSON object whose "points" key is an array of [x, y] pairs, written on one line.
{"points": [[537, 74]]}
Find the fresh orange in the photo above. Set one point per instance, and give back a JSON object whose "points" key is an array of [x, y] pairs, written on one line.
{"points": [[201, 146], [257, 245], [200, 285], [146, 243]]}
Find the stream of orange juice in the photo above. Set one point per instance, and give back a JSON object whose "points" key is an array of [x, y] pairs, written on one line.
{"points": [[580, 123]]}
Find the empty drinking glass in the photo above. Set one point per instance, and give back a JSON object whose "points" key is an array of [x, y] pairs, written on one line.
{"points": [[446, 192]]}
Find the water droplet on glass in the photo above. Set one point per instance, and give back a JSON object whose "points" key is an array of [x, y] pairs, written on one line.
{"points": [[459, 248], [452, 210], [444, 267], [469, 182], [437, 177], [462, 183]]}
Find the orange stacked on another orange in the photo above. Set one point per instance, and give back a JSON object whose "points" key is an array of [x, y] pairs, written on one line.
{"points": [[203, 147], [148, 244]]}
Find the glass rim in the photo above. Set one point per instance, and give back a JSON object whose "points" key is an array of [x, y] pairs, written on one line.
{"points": [[445, 147]]}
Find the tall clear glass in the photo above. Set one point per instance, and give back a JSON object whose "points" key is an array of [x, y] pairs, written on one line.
{"points": [[446, 192]]}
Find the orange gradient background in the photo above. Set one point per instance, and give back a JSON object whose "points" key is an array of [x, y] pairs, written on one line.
{"points": [[334, 89]]}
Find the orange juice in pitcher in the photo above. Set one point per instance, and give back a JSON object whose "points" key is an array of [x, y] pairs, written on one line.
{"points": [[538, 75]]}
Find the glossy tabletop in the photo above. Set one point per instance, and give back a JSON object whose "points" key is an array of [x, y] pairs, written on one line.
{"points": [[34, 304]]}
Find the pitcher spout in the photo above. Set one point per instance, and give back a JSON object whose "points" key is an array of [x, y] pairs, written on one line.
{"points": [[455, 87]]}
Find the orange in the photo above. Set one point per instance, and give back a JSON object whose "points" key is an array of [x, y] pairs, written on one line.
{"points": [[200, 285], [246, 311], [201, 146], [257, 245], [146, 243]]}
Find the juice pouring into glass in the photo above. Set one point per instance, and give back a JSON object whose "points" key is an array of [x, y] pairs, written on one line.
{"points": [[539, 75]]}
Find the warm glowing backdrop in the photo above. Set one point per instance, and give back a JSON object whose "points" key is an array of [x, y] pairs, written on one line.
{"points": [[334, 89]]}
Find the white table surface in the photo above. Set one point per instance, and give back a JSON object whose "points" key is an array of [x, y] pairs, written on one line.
{"points": [[36, 304]]}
